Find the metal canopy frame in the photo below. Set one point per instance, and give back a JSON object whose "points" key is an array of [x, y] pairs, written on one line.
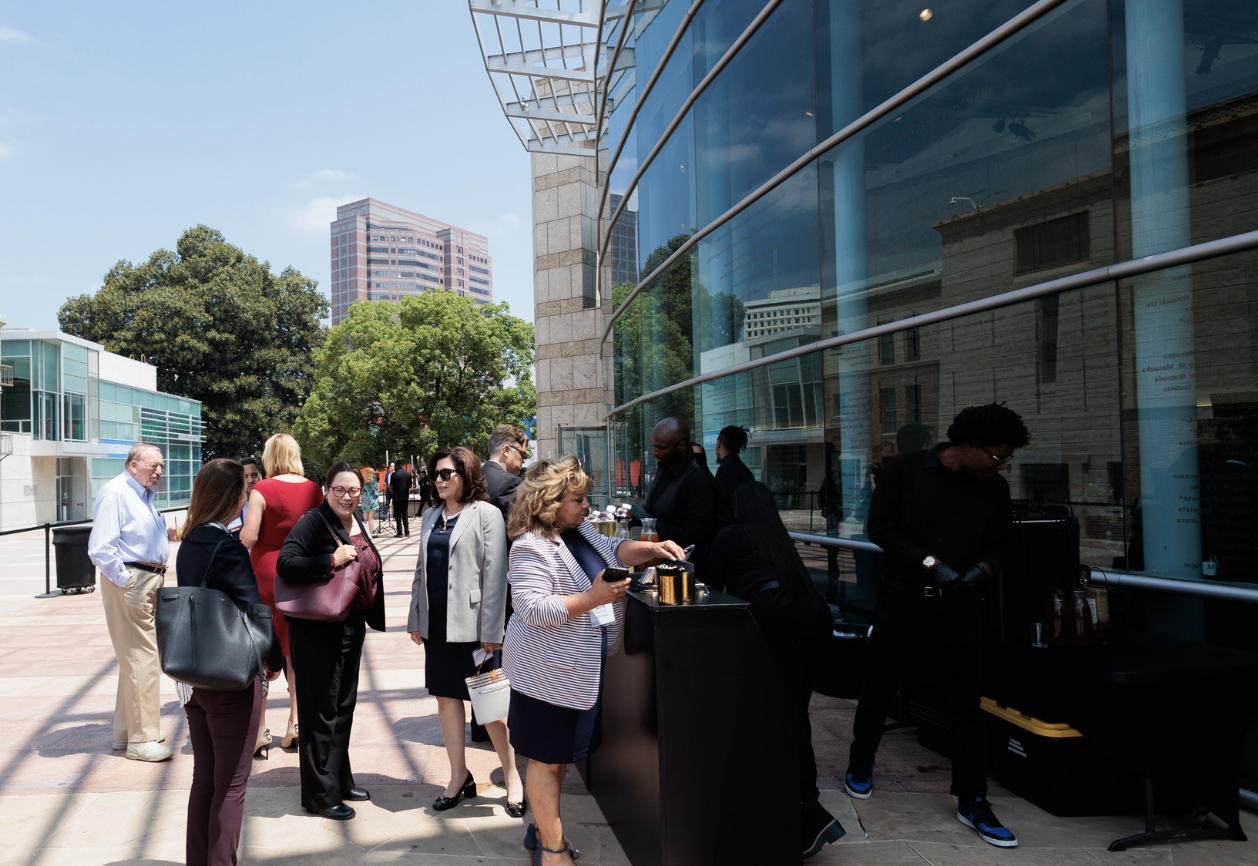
{"points": [[547, 61]]}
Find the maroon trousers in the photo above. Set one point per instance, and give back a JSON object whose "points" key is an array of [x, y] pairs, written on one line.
{"points": [[222, 727]]}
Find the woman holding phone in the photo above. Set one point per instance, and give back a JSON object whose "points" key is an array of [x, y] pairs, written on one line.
{"points": [[566, 618]]}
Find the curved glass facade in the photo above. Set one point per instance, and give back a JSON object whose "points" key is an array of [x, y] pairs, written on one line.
{"points": [[1101, 132]]}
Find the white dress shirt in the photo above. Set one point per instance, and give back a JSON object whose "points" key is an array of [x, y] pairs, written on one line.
{"points": [[126, 528]]}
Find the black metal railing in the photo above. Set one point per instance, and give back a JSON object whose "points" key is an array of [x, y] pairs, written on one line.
{"points": [[48, 528]]}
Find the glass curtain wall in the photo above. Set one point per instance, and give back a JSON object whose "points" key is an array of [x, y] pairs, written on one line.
{"points": [[1101, 133]]}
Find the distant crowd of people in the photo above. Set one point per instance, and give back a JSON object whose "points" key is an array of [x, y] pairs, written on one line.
{"points": [[509, 573]]}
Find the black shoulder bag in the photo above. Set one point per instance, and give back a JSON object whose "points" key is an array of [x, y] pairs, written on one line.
{"points": [[206, 641]]}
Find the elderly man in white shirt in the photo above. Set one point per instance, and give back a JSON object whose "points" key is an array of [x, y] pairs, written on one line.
{"points": [[130, 544]]}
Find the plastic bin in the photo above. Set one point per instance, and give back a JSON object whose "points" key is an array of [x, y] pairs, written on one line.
{"points": [[75, 571], [1055, 767]]}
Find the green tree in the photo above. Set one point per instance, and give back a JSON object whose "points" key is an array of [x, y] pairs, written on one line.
{"points": [[220, 327], [430, 372]]}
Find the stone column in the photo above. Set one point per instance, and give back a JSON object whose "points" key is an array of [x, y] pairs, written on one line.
{"points": [[572, 387]]}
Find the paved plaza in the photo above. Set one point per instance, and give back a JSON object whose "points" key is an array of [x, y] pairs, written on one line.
{"points": [[67, 799]]}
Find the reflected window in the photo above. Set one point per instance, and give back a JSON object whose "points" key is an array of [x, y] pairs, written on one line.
{"points": [[1053, 243]]}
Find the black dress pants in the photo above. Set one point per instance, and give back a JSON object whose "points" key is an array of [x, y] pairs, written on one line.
{"points": [[402, 516], [935, 641], [793, 633], [326, 656]]}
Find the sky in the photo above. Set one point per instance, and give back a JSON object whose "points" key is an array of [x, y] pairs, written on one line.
{"points": [[124, 124]]}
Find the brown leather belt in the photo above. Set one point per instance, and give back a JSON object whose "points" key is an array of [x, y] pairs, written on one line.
{"points": [[147, 566]]}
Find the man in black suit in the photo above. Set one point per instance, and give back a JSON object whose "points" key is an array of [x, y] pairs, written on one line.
{"points": [[683, 498], [731, 471], [508, 448], [400, 489]]}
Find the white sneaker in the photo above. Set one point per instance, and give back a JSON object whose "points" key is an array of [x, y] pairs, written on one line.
{"points": [[119, 745], [153, 752]]}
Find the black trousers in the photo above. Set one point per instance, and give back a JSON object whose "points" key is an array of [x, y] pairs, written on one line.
{"points": [[935, 641], [793, 633], [326, 656], [401, 514]]}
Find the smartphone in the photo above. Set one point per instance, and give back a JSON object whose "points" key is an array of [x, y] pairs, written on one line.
{"points": [[611, 575]]}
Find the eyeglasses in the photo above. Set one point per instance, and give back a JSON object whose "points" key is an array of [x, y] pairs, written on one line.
{"points": [[1000, 461], [444, 474], [521, 451], [351, 492]]}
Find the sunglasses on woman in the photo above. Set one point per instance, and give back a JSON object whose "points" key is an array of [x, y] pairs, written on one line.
{"points": [[444, 474]]}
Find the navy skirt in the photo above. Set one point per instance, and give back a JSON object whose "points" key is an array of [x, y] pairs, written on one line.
{"points": [[552, 734]]}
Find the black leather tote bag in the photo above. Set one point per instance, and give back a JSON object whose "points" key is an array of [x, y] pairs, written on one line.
{"points": [[208, 642]]}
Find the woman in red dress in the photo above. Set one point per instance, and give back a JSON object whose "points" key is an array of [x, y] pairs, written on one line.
{"points": [[275, 504]]}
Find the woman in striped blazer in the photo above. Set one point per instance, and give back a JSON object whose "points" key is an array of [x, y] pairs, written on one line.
{"points": [[555, 642]]}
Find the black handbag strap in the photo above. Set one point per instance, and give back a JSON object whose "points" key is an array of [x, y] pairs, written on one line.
{"points": [[210, 564]]}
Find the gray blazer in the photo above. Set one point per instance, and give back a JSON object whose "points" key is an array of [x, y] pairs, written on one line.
{"points": [[477, 584]]}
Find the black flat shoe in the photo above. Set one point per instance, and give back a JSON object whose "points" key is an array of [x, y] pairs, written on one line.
{"points": [[339, 812], [517, 810], [467, 792], [357, 794]]}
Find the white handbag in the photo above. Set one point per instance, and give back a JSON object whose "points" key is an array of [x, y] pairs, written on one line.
{"points": [[491, 695]]}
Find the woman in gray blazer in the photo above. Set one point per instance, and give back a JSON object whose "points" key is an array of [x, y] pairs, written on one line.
{"points": [[458, 603], [567, 618]]}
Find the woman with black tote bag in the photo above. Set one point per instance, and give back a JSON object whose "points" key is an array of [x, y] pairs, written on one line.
{"points": [[221, 725]]}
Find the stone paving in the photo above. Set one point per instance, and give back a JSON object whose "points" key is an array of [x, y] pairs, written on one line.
{"points": [[68, 799]]}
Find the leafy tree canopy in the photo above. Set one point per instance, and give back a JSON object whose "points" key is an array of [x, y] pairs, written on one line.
{"points": [[220, 327], [433, 371]]}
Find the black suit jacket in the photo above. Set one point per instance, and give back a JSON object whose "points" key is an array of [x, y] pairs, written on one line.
{"points": [[730, 473], [400, 485], [306, 556], [690, 517], [502, 486], [232, 572]]}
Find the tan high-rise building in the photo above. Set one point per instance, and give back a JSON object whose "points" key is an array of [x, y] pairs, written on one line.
{"points": [[381, 252]]}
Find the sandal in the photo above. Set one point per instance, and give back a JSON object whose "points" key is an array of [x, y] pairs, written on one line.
{"points": [[530, 843]]}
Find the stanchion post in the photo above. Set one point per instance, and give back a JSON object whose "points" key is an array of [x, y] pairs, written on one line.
{"points": [[48, 592]]}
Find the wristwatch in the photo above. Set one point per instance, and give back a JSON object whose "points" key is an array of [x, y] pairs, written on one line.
{"points": [[929, 562]]}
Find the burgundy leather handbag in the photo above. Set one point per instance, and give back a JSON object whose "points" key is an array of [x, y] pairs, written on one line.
{"points": [[321, 601]]}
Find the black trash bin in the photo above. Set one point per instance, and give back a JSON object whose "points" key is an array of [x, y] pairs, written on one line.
{"points": [[75, 571]]}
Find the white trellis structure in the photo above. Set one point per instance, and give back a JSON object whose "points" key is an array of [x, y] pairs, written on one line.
{"points": [[548, 61]]}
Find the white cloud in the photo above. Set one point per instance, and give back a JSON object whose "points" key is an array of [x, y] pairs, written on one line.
{"points": [[9, 34], [323, 177], [316, 214]]}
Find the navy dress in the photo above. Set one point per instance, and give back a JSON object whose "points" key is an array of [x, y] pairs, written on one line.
{"points": [[552, 734], [446, 665]]}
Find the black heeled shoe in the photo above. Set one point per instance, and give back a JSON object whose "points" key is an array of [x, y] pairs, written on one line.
{"points": [[467, 792], [517, 810], [530, 843], [537, 855], [339, 812]]}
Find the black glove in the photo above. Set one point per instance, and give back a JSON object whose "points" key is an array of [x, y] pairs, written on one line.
{"points": [[945, 574], [970, 583]]}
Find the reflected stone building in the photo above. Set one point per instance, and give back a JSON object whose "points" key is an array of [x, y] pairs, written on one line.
{"points": [[852, 220]]}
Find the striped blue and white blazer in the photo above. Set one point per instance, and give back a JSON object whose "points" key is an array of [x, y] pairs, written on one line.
{"points": [[547, 655]]}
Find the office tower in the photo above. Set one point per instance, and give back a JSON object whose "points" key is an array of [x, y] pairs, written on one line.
{"points": [[381, 252]]}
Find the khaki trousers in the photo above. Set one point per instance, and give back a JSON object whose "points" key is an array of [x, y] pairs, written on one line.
{"points": [[130, 614]]}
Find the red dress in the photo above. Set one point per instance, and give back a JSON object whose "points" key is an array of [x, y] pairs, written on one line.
{"points": [[286, 502]]}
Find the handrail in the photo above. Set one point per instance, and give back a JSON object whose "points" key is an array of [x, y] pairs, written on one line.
{"points": [[834, 541], [1175, 586], [1002, 33], [1121, 270]]}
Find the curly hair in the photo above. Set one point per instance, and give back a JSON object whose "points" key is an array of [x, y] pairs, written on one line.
{"points": [[543, 490], [988, 425], [468, 464]]}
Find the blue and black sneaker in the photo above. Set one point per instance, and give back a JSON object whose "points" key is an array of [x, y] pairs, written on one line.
{"points": [[977, 814], [858, 784]]}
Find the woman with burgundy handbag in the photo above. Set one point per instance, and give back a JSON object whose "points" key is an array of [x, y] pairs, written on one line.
{"points": [[327, 549]]}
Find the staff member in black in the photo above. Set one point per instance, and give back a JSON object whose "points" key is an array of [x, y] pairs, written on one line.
{"points": [[942, 519], [683, 497], [731, 471], [400, 488]]}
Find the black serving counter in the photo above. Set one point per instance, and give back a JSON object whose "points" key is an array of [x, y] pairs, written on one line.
{"points": [[696, 764]]}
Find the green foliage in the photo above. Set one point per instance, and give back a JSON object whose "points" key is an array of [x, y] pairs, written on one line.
{"points": [[430, 372], [220, 327]]}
